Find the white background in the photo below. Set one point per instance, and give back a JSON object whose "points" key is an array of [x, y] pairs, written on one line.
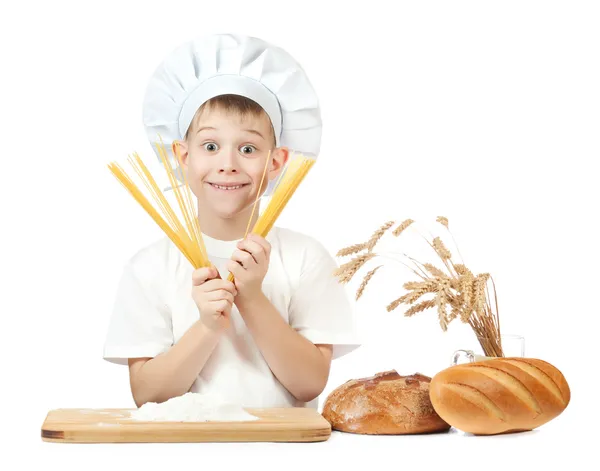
{"points": [[484, 112]]}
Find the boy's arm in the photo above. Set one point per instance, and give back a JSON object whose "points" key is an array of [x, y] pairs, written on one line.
{"points": [[172, 373], [301, 366]]}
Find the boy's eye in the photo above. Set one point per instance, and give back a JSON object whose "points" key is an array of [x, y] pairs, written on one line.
{"points": [[211, 146], [248, 149]]}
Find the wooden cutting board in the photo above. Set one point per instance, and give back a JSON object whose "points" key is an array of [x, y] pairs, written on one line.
{"points": [[292, 424]]}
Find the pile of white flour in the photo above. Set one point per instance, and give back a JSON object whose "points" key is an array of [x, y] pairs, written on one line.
{"points": [[192, 407]]}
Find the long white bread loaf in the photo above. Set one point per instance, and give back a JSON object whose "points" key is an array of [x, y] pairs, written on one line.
{"points": [[499, 395]]}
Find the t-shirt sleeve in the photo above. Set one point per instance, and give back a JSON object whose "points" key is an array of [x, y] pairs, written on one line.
{"points": [[320, 307], [140, 325]]}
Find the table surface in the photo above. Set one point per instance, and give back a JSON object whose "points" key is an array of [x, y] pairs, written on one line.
{"points": [[560, 443]]}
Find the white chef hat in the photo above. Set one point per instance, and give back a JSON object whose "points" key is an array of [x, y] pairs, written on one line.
{"points": [[222, 64]]}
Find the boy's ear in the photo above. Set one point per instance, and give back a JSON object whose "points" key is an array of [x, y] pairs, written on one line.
{"points": [[280, 157], [181, 148]]}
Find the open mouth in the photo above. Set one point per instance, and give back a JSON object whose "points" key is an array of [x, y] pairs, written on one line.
{"points": [[228, 187]]}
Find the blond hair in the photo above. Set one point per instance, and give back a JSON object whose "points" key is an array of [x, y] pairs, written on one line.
{"points": [[235, 104]]}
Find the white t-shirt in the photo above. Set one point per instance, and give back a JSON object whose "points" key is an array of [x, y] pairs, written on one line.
{"points": [[154, 308]]}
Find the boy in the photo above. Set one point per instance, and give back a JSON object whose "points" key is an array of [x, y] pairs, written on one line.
{"points": [[267, 339]]}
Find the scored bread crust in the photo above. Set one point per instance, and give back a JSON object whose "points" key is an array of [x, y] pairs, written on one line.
{"points": [[385, 403], [501, 395]]}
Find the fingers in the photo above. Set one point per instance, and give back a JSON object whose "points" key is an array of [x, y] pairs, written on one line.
{"points": [[244, 258], [235, 268], [264, 243], [220, 295], [217, 284], [221, 306], [257, 247], [201, 275]]}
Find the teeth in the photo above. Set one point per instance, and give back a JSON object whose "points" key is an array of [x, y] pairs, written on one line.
{"points": [[227, 187]]}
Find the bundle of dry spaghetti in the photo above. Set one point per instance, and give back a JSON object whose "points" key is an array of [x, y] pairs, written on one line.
{"points": [[187, 235]]}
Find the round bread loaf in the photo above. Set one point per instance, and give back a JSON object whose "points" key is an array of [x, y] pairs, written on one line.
{"points": [[501, 395], [383, 404]]}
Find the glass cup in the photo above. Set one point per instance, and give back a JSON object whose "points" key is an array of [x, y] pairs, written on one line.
{"points": [[512, 346]]}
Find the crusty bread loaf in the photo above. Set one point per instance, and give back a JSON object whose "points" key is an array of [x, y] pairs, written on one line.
{"points": [[500, 395], [385, 403]]}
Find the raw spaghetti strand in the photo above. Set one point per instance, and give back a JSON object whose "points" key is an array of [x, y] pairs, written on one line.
{"points": [[130, 186], [287, 184], [162, 202], [230, 277], [192, 219], [188, 210], [197, 231], [295, 180], [258, 194], [143, 172], [294, 176], [194, 236], [281, 196], [168, 228], [188, 237], [178, 196]]}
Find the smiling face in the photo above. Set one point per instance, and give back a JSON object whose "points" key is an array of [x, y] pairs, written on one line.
{"points": [[224, 156]]}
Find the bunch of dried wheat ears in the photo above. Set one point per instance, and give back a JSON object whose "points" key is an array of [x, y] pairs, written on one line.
{"points": [[454, 292]]}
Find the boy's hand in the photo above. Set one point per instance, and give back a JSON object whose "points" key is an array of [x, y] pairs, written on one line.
{"points": [[249, 265], [213, 297]]}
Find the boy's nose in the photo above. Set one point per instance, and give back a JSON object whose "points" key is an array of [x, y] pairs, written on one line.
{"points": [[228, 160]]}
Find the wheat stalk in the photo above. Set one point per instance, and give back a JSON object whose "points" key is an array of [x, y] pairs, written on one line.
{"points": [[457, 294], [394, 304], [443, 221], [377, 235], [369, 245], [461, 269], [351, 250], [420, 307], [441, 249], [365, 281], [434, 270], [347, 270], [402, 227], [440, 302]]}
